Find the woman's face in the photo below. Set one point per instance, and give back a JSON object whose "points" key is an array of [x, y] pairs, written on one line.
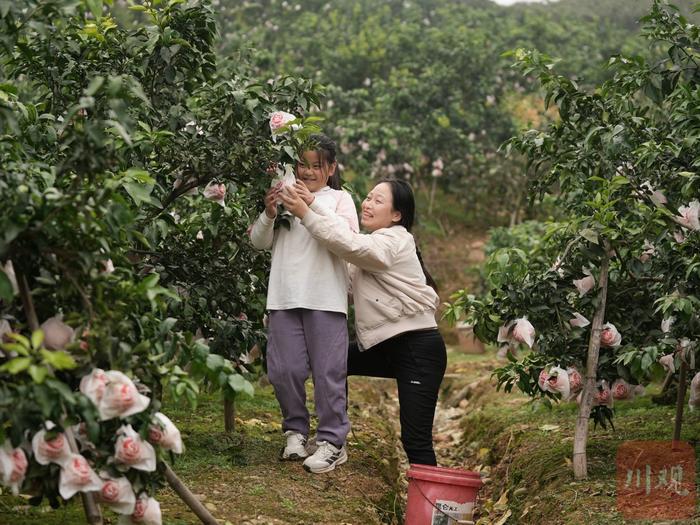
{"points": [[313, 171], [378, 209]]}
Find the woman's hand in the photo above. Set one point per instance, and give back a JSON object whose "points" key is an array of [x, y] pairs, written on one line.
{"points": [[293, 202], [304, 192], [271, 202]]}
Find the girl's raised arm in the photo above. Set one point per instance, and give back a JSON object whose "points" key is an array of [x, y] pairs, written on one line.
{"points": [[262, 231]]}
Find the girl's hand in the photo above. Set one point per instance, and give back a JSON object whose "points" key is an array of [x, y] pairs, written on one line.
{"points": [[271, 202], [304, 192], [293, 202]]}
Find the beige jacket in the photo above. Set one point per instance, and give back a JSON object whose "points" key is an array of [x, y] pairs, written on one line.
{"points": [[388, 284]]}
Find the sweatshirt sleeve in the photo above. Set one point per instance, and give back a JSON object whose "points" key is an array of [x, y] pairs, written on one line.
{"points": [[373, 252], [262, 232], [345, 208]]}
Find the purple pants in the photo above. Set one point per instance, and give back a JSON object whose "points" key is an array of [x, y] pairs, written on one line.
{"points": [[305, 342]]}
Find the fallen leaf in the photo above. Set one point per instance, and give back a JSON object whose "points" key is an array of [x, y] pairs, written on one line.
{"points": [[503, 518]]}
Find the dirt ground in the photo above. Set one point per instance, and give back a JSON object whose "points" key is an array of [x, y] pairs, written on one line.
{"points": [[251, 486]]}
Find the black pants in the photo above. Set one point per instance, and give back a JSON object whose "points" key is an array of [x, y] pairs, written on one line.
{"points": [[417, 361]]}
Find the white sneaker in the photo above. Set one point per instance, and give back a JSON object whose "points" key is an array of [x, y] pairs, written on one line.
{"points": [[325, 459], [296, 447]]}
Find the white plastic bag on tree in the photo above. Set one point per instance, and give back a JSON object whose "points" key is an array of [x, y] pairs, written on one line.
{"points": [[5, 330], [694, 400], [57, 334], [13, 467], [602, 395], [117, 494], [575, 381], [668, 363], [55, 450], [278, 120], [558, 382], [524, 332], [542, 379], [622, 390]]}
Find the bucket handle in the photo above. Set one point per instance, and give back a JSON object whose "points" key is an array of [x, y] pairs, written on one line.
{"points": [[460, 522]]}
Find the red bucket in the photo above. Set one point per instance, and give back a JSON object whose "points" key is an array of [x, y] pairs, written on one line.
{"points": [[440, 495], [447, 470]]}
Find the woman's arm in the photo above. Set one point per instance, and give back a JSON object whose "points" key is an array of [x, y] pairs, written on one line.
{"points": [[345, 207], [373, 252]]}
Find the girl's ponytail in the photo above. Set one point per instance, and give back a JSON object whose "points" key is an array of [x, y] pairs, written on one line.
{"points": [[334, 181]]}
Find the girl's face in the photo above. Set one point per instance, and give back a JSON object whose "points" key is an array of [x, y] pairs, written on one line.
{"points": [[314, 171], [378, 209]]}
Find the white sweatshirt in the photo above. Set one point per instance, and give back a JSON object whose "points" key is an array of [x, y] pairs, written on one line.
{"points": [[388, 285], [304, 274]]}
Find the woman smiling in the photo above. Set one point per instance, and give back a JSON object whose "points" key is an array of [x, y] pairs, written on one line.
{"points": [[395, 304]]}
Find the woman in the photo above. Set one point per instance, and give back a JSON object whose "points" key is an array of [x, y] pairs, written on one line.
{"points": [[395, 304]]}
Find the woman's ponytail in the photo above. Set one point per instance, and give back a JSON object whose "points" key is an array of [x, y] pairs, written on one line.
{"points": [[428, 278]]}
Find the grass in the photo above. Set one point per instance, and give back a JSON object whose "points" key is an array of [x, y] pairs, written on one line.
{"points": [[531, 462]]}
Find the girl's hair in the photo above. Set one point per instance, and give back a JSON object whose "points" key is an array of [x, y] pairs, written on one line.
{"points": [[326, 149], [405, 203]]}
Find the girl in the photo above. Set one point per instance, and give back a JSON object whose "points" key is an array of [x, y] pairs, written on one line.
{"points": [[307, 303], [395, 304]]}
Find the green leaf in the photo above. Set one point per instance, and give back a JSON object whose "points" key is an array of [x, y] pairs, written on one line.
{"points": [[142, 239], [38, 373], [62, 389], [4, 8], [94, 86], [16, 365], [589, 235], [37, 339], [239, 384], [58, 359], [121, 131], [95, 7], [141, 193], [180, 389], [20, 339], [150, 280], [15, 347], [214, 362], [6, 290]]}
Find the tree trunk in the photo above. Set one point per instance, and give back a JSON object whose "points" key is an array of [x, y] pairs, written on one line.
{"points": [[680, 402], [432, 197], [667, 382], [581, 435], [92, 510], [27, 303], [186, 495], [229, 415]]}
